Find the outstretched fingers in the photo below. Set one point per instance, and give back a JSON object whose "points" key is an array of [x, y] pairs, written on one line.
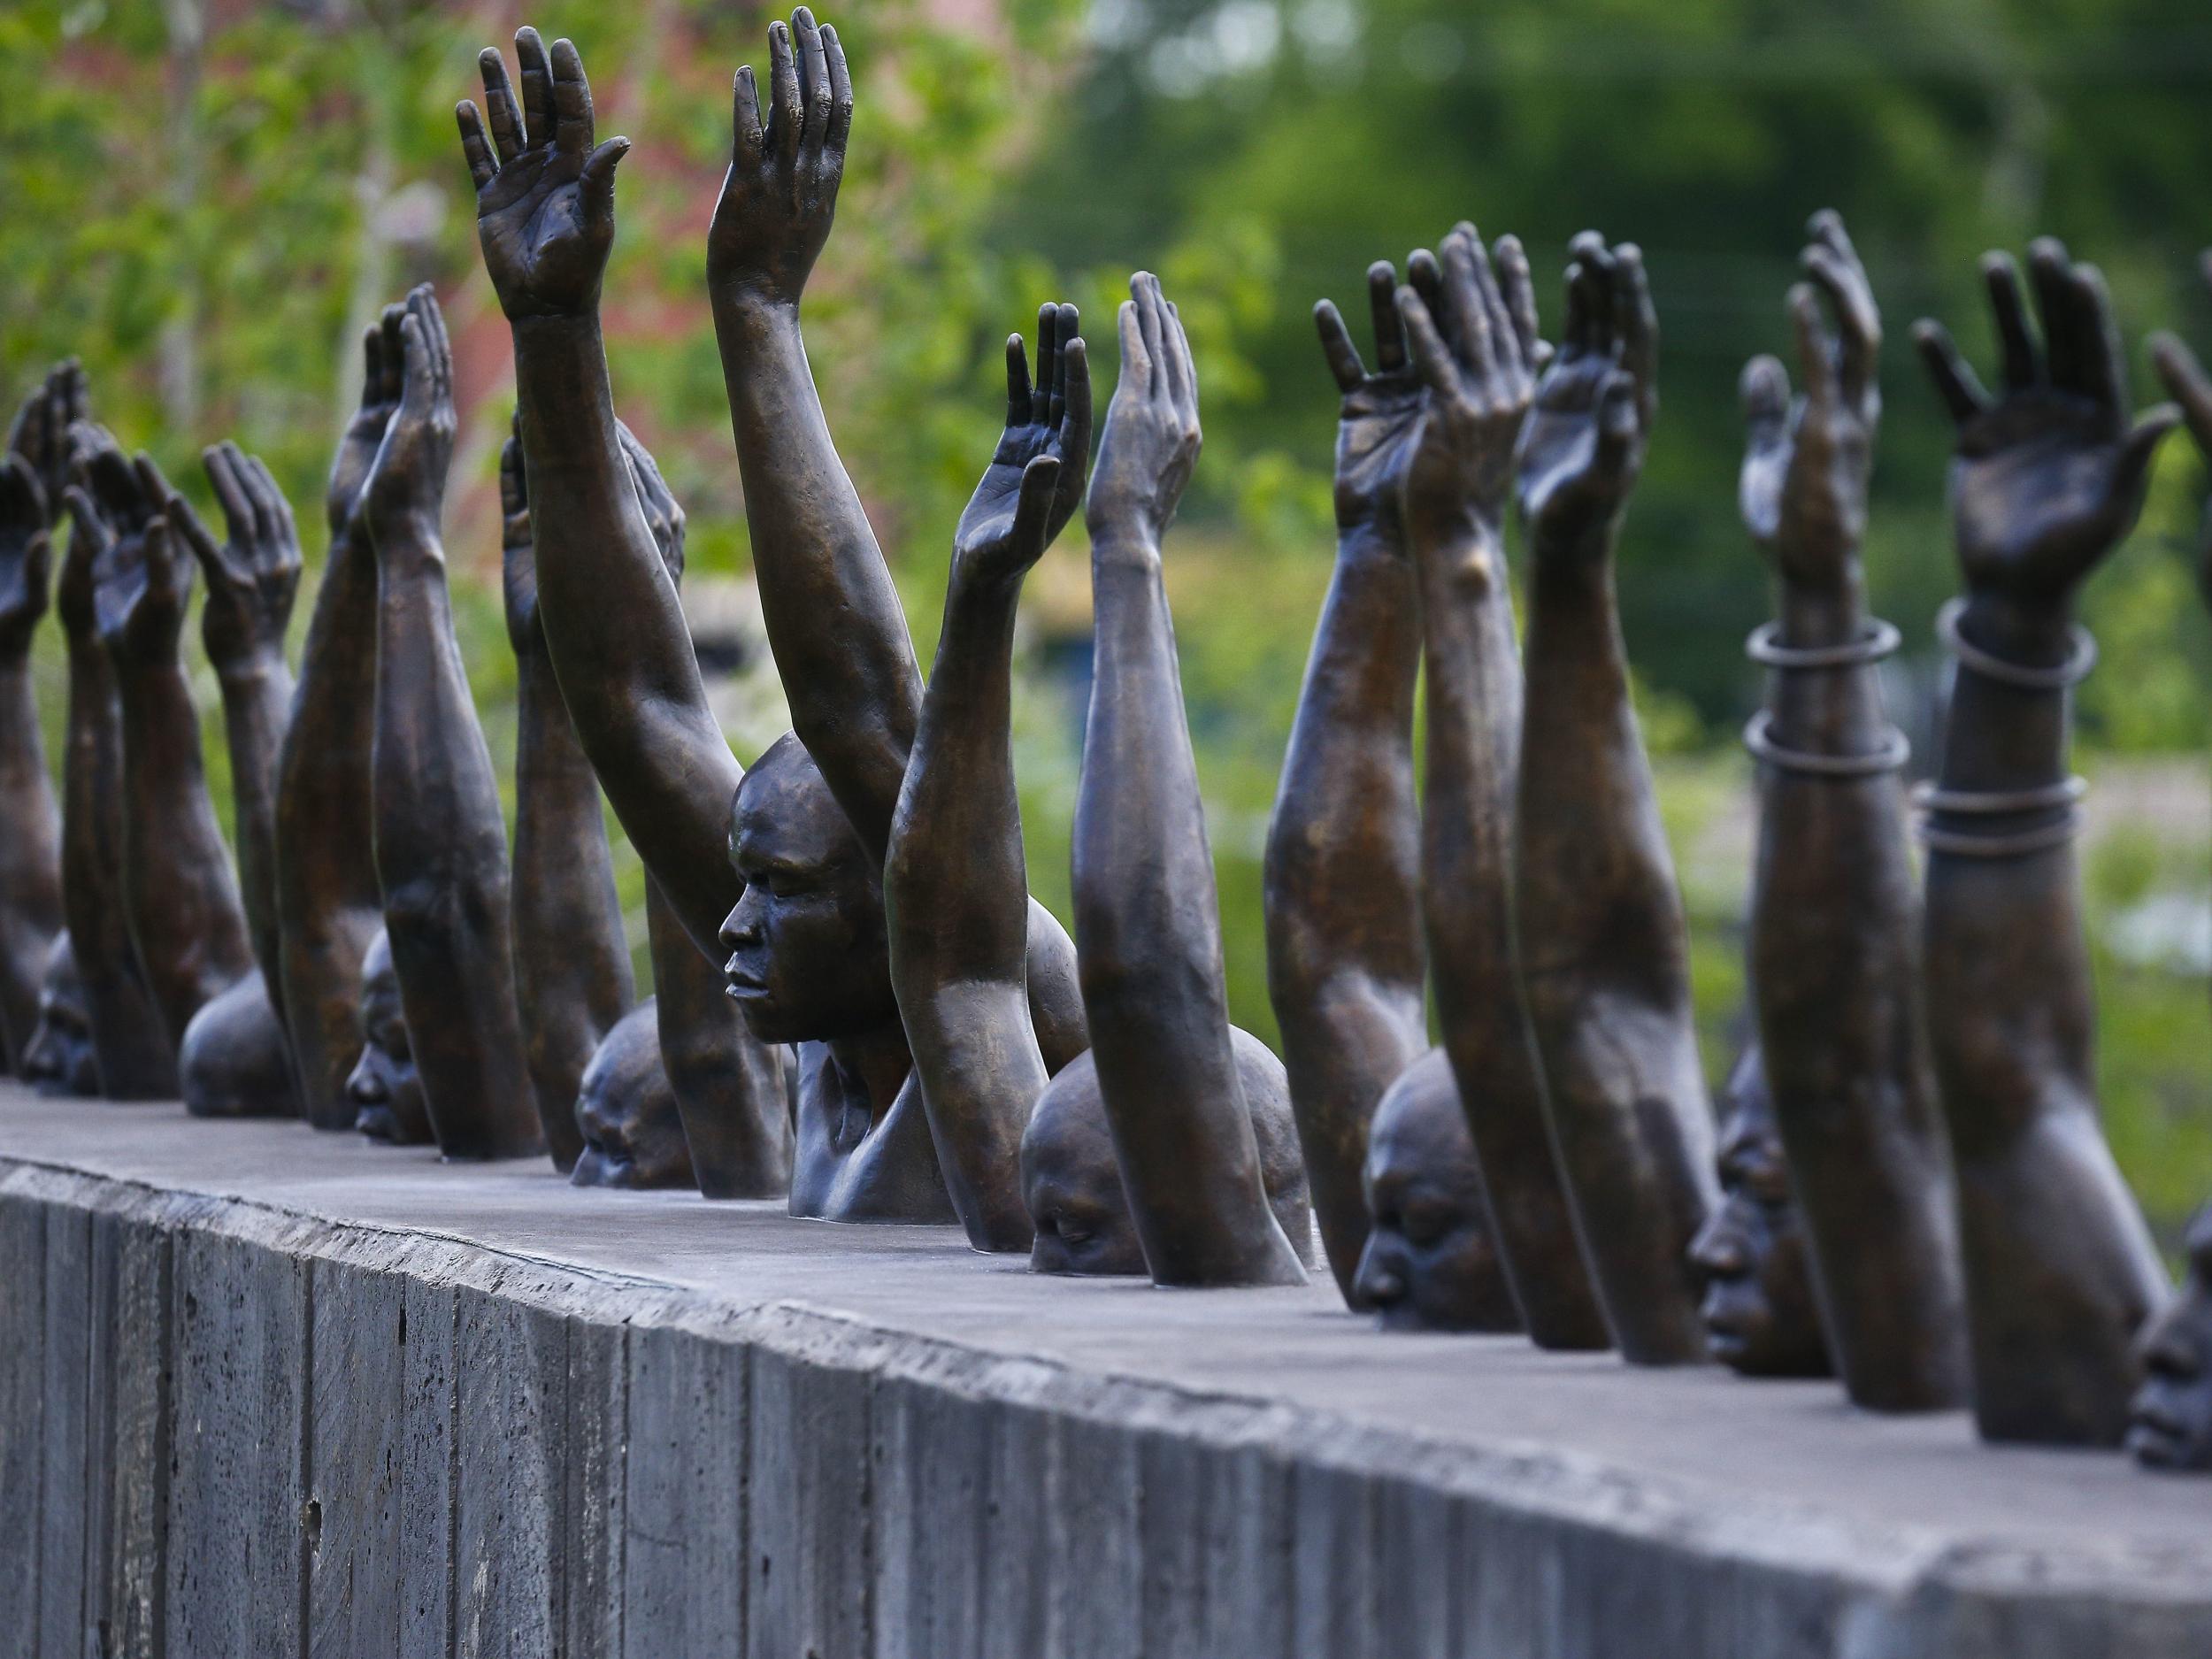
{"points": [[482, 167], [1954, 381], [573, 133], [1833, 264], [1816, 363], [1518, 285], [814, 79], [2008, 310], [1636, 320], [746, 138], [1765, 391], [1466, 315], [1432, 358], [1382, 302], [1337, 347], [220, 461], [1020, 398], [840, 79], [509, 133], [536, 73], [783, 90]]}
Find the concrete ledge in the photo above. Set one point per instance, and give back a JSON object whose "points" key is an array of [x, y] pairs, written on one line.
{"points": [[268, 1391]]}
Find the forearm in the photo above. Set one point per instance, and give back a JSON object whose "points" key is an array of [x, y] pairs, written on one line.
{"points": [[257, 706], [956, 882], [1341, 872], [442, 861], [1148, 946], [614, 628], [833, 619], [2010, 1006], [1596, 901], [30, 859], [572, 977], [185, 913], [1344, 956], [135, 1059]]}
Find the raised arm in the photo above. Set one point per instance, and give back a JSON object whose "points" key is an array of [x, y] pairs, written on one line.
{"points": [[1344, 959], [1475, 348], [1148, 930], [2048, 477], [1603, 955], [135, 1056], [251, 580], [32, 475], [614, 632], [1835, 969], [572, 979], [440, 847], [954, 886], [328, 905], [2189, 386], [187, 920]]}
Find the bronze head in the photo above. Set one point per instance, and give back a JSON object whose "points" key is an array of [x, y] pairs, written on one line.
{"points": [[59, 1058], [627, 1112], [1758, 1309], [1431, 1261], [386, 1094], [809, 959], [2170, 1423], [1072, 1183]]}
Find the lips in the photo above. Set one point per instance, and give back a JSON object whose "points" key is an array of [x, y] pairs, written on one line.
{"points": [[740, 986]]}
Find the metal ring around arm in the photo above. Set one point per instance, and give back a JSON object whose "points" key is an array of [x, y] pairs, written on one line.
{"points": [[1764, 648], [1894, 752], [1929, 798], [2079, 660], [1978, 845]]}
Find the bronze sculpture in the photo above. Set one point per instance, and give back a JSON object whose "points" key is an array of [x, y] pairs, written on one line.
{"points": [[187, 921], [2169, 1421], [1345, 963], [58, 1059], [1148, 930], [1602, 952], [1834, 973], [33, 474], [573, 980], [2048, 475], [798, 908], [954, 886], [383, 1086], [2189, 386], [632, 1135], [328, 906], [440, 845], [1072, 1185], [1431, 1261], [1752, 1252], [1472, 324]]}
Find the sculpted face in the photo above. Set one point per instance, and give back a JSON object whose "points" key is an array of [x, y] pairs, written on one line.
{"points": [[386, 1092], [1759, 1314], [627, 1112], [1431, 1262], [1072, 1185], [809, 956], [2170, 1423], [59, 1058]]}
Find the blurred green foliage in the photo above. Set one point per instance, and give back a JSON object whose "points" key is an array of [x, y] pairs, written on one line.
{"points": [[208, 199]]}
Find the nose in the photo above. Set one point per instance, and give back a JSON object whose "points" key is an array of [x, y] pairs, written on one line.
{"points": [[1718, 1250], [738, 927], [1380, 1281], [364, 1086]]}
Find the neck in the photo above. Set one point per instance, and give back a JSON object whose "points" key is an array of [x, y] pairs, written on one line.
{"points": [[873, 1064]]}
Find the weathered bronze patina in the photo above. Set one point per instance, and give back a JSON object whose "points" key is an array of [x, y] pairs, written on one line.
{"points": [[1604, 955], [1835, 970], [1759, 1312], [2047, 478], [58, 1059], [2170, 1423], [440, 845]]}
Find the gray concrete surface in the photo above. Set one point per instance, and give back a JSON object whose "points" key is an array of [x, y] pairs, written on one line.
{"points": [[269, 1391]]}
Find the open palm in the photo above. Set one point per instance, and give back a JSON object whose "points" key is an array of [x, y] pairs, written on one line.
{"points": [[1049, 421], [545, 192]]}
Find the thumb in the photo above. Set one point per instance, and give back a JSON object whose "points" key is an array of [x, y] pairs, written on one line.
{"points": [[2141, 445], [598, 180], [1033, 512]]}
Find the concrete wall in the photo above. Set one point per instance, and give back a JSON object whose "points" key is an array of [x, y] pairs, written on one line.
{"points": [[229, 1431]]}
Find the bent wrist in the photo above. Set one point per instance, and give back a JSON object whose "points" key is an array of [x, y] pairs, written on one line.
{"points": [[2035, 632]]}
